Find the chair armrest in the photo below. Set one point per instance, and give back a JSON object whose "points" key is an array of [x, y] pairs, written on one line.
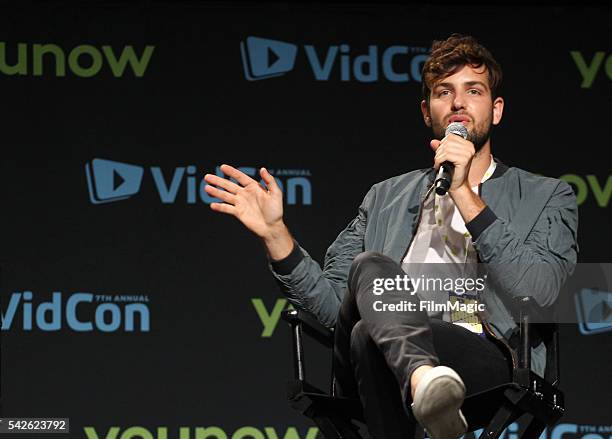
{"points": [[524, 319], [536, 327], [310, 325], [528, 306]]}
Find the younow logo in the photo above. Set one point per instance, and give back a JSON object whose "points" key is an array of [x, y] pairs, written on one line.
{"points": [[589, 71], [199, 433], [84, 61], [263, 58], [109, 181], [590, 184], [81, 312], [269, 318]]}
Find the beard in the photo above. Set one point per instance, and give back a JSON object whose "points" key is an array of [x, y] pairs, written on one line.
{"points": [[479, 135]]}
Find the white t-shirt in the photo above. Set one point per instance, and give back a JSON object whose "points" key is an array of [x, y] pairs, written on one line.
{"points": [[441, 237]]}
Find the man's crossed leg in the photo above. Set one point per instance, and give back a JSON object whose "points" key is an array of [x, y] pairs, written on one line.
{"points": [[385, 357]]}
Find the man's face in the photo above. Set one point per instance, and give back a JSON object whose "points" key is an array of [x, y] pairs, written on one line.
{"points": [[463, 97]]}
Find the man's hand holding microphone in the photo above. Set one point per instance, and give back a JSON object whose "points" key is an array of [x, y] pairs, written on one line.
{"points": [[453, 160], [454, 154]]}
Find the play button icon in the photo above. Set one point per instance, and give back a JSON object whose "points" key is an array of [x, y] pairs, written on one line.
{"points": [[118, 180], [108, 180], [272, 58], [263, 58]]}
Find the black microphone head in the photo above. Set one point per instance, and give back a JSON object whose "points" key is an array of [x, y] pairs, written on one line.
{"points": [[456, 128]]}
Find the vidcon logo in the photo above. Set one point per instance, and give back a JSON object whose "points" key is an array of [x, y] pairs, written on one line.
{"points": [[80, 312], [594, 309], [112, 181], [109, 181], [264, 58]]}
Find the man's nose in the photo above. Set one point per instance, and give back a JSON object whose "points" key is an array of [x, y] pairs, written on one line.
{"points": [[458, 102]]}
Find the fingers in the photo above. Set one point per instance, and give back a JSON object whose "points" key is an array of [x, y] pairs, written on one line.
{"points": [[269, 180], [232, 187], [222, 195], [239, 176], [226, 184], [455, 157], [223, 208], [454, 150]]}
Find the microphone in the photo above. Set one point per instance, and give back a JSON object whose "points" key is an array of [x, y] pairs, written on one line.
{"points": [[445, 173]]}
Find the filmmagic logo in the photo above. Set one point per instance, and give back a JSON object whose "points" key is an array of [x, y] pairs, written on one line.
{"points": [[432, 287], [83, 61], [264, 58], [80, 312], [594, 311], [589, 69], [109, 181], [429, 306]]}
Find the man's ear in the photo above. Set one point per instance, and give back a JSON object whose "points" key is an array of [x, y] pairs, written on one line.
{"points": [[498, 110], [426, 114]]}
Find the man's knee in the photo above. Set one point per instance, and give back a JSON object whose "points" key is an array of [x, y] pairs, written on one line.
{"points": [[365, 259], [368, 257]]}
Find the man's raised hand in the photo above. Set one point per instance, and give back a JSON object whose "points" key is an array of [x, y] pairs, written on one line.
{"points": [[258, 208]]}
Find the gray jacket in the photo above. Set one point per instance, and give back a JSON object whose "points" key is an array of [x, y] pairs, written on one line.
{"points": [[527, 236]]}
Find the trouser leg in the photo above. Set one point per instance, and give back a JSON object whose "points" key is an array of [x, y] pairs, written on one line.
{"points": [[375, 352], [403, 338], [378, 389], [478, 361], [377, 368]]}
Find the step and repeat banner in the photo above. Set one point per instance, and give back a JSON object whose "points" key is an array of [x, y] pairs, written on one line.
{"points": [[133, 309]]}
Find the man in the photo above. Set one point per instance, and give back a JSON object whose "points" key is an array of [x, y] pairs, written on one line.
{"points": [[522, 226]]}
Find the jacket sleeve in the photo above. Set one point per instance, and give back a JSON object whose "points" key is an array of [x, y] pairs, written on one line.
{"points": [[538, 265], [320, 291]]}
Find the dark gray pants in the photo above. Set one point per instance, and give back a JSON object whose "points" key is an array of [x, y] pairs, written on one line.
{"points": [[376, 352]]}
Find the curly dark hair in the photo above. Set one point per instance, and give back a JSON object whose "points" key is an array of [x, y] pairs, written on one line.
{"points": [[452, 54]]}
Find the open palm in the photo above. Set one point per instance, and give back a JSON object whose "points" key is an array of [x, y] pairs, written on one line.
{"points": [[258, 208]]}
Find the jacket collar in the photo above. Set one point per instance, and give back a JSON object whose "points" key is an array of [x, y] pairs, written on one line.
{"points": [[500, 169]]}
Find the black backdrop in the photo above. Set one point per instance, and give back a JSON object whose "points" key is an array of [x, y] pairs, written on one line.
{"points": [[205, 359]]}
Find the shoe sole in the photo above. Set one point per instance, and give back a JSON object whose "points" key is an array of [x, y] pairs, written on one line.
{"points": [[441, 394]]}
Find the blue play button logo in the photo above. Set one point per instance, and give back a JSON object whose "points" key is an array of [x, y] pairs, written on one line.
{"points": [[109, 181], [594, 309], [263, 58]]}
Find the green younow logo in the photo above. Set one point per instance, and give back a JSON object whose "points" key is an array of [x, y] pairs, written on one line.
{"points": [[600, 190], [589, 69], [269, 318], [84, 60], [198, 433]]}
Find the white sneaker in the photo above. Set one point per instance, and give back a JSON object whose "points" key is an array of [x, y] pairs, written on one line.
{"points": [[437, 403]]}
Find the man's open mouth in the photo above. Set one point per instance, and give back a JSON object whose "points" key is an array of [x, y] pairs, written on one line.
{"points": [[458, 118]]}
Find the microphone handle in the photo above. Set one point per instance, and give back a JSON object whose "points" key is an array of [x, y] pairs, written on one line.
{"points": [[444, 178]]}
